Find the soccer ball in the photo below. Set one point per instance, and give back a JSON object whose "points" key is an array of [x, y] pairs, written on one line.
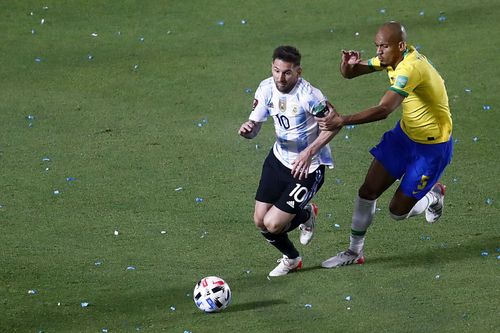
{"points": [[212, 294]]}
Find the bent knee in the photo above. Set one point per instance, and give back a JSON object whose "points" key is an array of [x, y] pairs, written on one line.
{"points": [[259, 222], [274, 228], [398, 217]]}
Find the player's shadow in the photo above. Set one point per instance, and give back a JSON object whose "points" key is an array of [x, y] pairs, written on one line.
{"points": [[310, 268], [470, 248], [254, 305]]}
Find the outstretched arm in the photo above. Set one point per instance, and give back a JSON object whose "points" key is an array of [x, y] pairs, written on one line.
{"points": [[351, 65], [249, 129], [389, 102]]}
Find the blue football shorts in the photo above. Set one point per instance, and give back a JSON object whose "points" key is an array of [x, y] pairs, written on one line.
{"points": [[419, 166], [277, 186]]}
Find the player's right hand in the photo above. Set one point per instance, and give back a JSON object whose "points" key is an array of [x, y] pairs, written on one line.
{"points": [[246, 129], [351, 57]]}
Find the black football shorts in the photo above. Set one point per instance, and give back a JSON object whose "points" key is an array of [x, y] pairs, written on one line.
{"points": [[277, 186]]}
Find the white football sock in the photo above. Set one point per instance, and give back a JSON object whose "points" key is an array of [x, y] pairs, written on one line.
{"points": [[422, 204], [362, 217]]}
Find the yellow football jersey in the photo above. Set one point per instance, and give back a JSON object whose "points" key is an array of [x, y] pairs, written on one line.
{"points": [[426, 114]]}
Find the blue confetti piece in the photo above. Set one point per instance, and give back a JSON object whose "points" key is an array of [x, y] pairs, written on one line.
{"points": [[90, 57], [484, 254], [84, 304], [32, 292], [486, 108], [421, 13], [348, 298], [198, 200], [248, 90], [33, 31], [70, 179], [141, 39], [442, 17], [56, 192], [172, 308], [104, 330], [221, 23], [488, 201], [243, 21], [308, 306], [38, 60], [98, 263], [130, 268], [382, 11], [468, 90], [475, 139]]}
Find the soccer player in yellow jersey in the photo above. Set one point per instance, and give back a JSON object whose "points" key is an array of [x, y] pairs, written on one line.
{"points": [[416, 150]]}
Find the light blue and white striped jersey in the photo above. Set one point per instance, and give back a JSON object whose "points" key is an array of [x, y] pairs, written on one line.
{"points": [[295, 126]]}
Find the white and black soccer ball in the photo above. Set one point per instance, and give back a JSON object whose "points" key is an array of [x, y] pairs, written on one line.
{"points": [[212, 294]]}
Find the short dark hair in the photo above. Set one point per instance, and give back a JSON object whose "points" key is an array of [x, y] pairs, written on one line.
{"points": [[287, 53]]}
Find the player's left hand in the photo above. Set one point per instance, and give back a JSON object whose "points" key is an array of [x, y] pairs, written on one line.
{"points": [[300, 167]]}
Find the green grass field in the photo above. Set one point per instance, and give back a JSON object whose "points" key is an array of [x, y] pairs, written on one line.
{"points": [[130, 110]]}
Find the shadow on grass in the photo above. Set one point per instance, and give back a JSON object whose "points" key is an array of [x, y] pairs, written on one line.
{"points": [[254, 305], [468, 249]]}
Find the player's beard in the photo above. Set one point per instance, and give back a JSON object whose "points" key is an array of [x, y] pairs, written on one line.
{"points": [[284, 88]]}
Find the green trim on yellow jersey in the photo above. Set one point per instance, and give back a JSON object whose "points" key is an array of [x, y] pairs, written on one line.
{"points": [[401, 92]]}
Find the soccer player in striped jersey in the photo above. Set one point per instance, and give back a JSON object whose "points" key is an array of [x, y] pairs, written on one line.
{"points": [[416, 150], [294, 169]]}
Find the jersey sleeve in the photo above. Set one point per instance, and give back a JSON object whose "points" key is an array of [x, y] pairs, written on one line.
{"points": [[374, 63], [406, 79], [315, 97], [259, 109]]}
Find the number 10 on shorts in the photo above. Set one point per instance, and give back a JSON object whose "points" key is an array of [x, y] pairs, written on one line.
{"points": [[299, 193]]}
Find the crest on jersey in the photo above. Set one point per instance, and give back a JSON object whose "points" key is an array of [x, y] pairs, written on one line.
{"points": [[401, 81], [282, 104], [255, 102], [295, 108]]}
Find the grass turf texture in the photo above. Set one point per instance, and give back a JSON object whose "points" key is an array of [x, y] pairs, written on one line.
{"points": [[130, 138]]}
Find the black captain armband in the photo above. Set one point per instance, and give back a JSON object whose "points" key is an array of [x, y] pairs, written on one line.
{"points": [[320, 110]]}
